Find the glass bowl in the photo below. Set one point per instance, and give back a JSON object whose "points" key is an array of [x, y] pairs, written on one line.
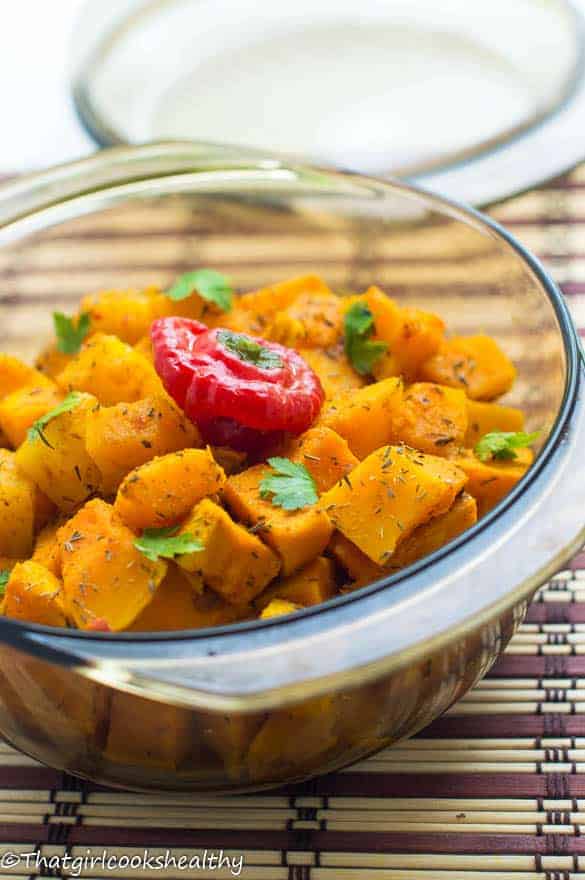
{"points": [[263, 703]]}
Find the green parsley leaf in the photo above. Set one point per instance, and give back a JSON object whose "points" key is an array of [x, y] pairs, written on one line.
{"points": [[247, 350], [358, 327], [156, 543], [209, 284], [36, 429], [291, 486], [4, 576], [70, 333], [501, 444]]}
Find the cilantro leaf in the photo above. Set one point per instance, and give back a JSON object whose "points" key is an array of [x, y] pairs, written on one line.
{"points": [[501, 444], [4, 577], [70, 333], [291, 486], [212, 286], [358, 327], [36, 429], [248, 350], [157, 543]]}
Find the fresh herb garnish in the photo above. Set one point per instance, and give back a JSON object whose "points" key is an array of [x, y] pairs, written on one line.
{"points": [[291, 486], [247, 350], [36, 429], [4, 577], [70, 332], [501, 444], [358, 327], [211, 286], [166, 543]]}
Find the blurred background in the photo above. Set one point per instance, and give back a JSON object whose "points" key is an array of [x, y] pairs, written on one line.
{"points": [[475, 99]]}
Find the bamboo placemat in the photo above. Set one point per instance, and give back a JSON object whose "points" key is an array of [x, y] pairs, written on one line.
{"points": [[494, 790]]}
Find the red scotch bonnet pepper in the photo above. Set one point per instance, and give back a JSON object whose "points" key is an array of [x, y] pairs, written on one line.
{"points": [[237, 388]]}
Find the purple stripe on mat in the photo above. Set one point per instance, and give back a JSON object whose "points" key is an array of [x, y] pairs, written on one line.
{"points": [[170, 837], [11, 832], [352, 841], [547, 666], [556, 612], [447, 785], [500, 726], [29, 777]]}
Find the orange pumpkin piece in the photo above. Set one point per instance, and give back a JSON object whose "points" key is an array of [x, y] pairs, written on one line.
{"points": [[126, 314], [105, 577], [19, 498], [432, 418], [325, 455], [20, 409], [175, 605], [142, 733], [412, 335], [314, 319], [435, 533], [15, 374], [333, 369], [298, 536], [483, 418], [34, 594], [163, 491], [365, 417], [311, 585], [475, 364], [278, 607], [122, 437], [233, 562], [51, 361], [111, 370], [47, 551], [389, 495], [358, 566], [255, 310], [490, 481], [58, 461]]}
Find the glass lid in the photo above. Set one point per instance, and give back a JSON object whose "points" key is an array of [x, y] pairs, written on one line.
{"points": [[407, 88]]}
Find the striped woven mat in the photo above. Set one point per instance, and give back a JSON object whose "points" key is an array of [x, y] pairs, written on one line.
{"points": [[494, 790]]}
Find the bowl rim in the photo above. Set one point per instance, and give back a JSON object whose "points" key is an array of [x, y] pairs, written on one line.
{"points": [[85, 649]]}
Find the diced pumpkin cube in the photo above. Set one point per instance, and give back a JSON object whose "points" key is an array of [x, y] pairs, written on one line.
{"points": [[233, 562], [111, 370], [193, 306], [435, 533], [365, 417], [146, 733], [175, 605], [17, 508], [311, 585], [144, 347], [432, 418], [490, 481], [58, 461], [483, 418], [389, 495], [124, 436], [163, 491], [278, 607], [51, 361], [325, 455], [34, 594], [314, 319], [126, 314], [476, 364], [229, 736], [15, 374], [334, 370], [47, 550], [255, 310], [412, 335], [105, 577], [297, 536], [358, 566], [20, 409], [294, 740]]}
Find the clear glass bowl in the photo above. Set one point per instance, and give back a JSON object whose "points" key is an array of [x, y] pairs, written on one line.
{"points": [[267, 702]]}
